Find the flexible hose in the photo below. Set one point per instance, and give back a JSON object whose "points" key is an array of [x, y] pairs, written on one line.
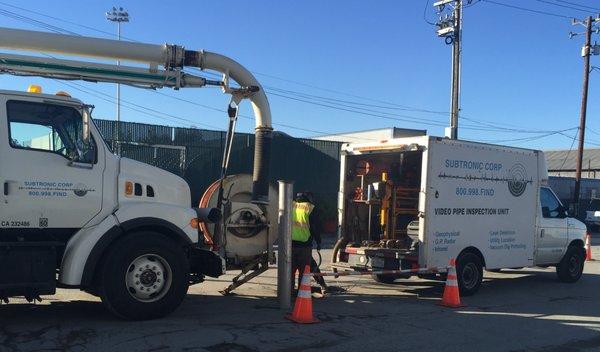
{"points": [[262, 160]]}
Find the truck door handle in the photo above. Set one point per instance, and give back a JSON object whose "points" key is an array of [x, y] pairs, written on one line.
{"points": [[542, 233], [5, 188]]}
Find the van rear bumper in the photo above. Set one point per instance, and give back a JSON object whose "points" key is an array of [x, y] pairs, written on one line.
{"points": [[376, 258]]}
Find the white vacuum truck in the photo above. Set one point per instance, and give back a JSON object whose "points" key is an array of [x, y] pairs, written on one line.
{"points": [[420, 201], [73, 215]]}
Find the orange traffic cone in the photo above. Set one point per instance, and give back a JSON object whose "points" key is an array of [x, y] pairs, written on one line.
{"points": [[303, 312], [588, 247], [451, 296]]}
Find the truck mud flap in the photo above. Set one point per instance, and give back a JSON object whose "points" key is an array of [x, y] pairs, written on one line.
{"points": [[205, 262], [29, 269]]}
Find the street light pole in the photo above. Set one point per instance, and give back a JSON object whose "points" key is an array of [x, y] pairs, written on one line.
{"points": [[118, 15]]}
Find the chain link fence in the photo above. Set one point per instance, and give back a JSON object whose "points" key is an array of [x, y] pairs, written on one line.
{"points": [[196, 155]]}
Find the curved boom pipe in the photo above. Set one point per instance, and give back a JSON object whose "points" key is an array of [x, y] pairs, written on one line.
{"points": [[169, 56]]}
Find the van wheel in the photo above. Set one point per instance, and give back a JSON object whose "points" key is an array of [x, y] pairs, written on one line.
{"points": [[570, 267], [469, 272], [385, 279], [144, 276]]}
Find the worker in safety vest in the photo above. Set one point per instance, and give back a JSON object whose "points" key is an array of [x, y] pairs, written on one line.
{"points": [[305, 229]]}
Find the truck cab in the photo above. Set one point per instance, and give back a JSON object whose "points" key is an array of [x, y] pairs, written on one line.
{"points": [[75, 215]]}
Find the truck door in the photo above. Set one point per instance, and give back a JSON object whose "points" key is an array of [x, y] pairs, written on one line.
{"points": [[52, 187], [552, 234]]}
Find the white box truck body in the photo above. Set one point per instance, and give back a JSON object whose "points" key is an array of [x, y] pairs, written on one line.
{"points": [[432, 199]]}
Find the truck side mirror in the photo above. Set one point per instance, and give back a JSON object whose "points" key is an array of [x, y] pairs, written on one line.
{"points": [[86, 127]]}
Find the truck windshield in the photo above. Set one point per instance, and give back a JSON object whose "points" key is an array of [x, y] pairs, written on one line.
{"points": [[47, 127]]}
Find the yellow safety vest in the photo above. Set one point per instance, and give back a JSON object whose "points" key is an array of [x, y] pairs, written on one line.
{"points": [[300, 222]]}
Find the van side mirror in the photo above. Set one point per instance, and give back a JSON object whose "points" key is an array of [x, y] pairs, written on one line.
{"points": [[563, 212], [546, 212]]}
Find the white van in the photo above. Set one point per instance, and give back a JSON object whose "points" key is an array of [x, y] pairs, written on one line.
{"points": [[420, 201]]}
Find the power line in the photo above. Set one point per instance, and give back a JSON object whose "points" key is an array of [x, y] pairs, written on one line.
{"points": [[334, 100], [34, 22], [570, 149], [64, 21], [333, 103], [133, 106], [330, 100], [576, 4], [425, 14], [526, 9], [98, 93], [563, 6], [528, 139]]}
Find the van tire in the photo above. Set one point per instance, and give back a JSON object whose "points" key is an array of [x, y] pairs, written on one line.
{"points": [[469, 272], [385, 278], [118, 292], [570, 267]]}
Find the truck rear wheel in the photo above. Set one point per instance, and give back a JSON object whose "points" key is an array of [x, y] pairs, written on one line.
{"points": [[469, 272], [570, 267], [144, 276]]}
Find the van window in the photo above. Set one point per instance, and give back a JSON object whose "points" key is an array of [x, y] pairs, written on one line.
{"points": [[550, 204], [594, 205], [51, 128]]}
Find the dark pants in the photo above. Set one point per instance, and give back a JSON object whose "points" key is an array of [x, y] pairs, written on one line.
{"points": [[314, 267], [301, 257]]}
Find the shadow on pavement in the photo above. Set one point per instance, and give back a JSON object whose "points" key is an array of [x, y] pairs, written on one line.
{"points": [[532, 311]]}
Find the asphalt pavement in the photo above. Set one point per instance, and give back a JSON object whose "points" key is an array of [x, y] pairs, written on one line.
{"points": [[515, 310]]}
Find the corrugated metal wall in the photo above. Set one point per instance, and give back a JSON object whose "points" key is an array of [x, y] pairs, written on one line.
{"points": [[196, 155]]}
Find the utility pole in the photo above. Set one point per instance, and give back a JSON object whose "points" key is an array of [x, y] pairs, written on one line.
{"points": [[118, 15], [586, 52], [450, 27]]}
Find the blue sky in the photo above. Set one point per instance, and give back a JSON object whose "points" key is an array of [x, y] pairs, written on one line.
{"points": [[520, 69]]}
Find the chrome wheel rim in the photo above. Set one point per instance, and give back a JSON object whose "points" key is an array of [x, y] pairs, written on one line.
{"points": [[148, 278]]}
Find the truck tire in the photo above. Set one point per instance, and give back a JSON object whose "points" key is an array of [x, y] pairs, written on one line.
{"points": [[144, 276], [570, 267], [469, 272]]}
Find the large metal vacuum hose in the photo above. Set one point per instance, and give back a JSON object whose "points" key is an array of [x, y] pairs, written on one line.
{"points": [[262, 115]]}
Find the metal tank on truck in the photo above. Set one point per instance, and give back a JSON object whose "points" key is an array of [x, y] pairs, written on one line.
{"points": [[116, 228]]}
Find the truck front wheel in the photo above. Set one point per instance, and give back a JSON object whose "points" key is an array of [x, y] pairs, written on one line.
{"points": [[144, 276], [469, 272], [570, 267]]}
